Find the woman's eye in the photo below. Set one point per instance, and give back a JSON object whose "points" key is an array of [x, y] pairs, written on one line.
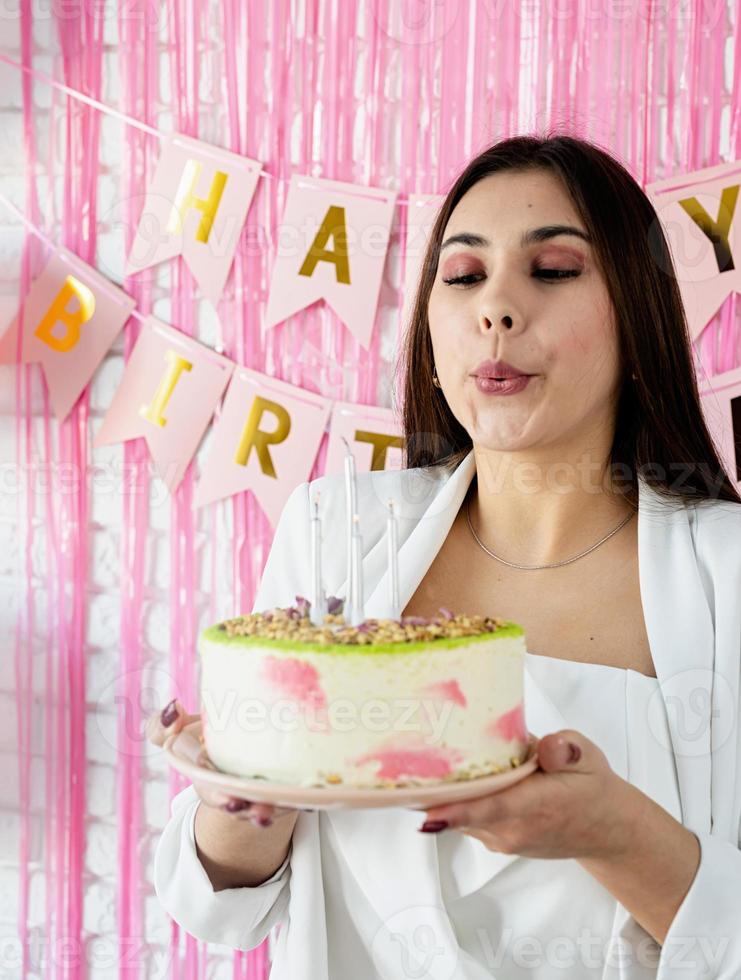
{"points": [[464, 280], [552, 275], [556, 274]]}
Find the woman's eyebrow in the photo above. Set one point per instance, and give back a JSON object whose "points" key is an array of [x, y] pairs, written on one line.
{"points": [[530, 237]]}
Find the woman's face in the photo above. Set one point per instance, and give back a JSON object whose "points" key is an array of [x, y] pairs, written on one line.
{"points": [[560, 330]]}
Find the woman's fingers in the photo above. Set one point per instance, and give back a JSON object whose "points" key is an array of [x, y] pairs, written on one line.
{"points": [[172, 719], [261, 814], [209, 795]]}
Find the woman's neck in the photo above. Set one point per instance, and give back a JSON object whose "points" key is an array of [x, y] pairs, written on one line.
{"points": [[535, 510]]}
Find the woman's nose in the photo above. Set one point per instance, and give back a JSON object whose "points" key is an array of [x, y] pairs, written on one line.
{"points": [[502, 321]]}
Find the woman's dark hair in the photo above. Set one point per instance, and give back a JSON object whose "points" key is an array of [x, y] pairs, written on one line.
{"points": [[660, 431]]}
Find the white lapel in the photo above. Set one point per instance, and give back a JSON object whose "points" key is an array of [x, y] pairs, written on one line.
{"points": [[681, 635], [418, 551]]}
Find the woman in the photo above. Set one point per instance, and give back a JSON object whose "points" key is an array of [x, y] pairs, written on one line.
{"points": [[586, 503]]}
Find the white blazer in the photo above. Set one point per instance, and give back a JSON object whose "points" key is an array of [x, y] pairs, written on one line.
{"points": [[690, 583]]}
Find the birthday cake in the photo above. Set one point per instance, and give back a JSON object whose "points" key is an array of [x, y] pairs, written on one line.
{"points": [[387, 703]]}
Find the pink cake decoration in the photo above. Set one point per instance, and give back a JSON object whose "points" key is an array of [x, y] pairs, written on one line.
{"points": [[397, 763], [295, 679], [510, 725], [447, 691]]}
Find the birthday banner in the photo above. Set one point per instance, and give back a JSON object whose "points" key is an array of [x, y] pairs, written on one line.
{"points": [[378, 438], [698, 214], [334, 238], [268, 432], [67, 322], [343, 263], [721, 403], [213, 192], [266, 440], [170, 389]]}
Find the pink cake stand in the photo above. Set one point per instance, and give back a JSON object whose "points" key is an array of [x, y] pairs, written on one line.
{"points": [[186, 754]]}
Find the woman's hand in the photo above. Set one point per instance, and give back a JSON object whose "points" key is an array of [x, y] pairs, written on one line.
{"points": [[172, 719], [573, 806]]}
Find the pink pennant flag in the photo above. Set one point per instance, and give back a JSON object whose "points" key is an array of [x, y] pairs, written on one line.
{"points": [[265, 440], [168, 394], [71, 316], [701, 216], [196, 205], [721, 405], [421, 214], [332, 245], [373, 434]]}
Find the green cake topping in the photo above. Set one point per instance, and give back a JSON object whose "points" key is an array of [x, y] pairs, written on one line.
{"points": [[292, 625]]}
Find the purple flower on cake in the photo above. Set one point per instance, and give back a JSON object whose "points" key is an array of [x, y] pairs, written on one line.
{"points": [[302, 606], [334, 605], [414, 621], [446, 613]]}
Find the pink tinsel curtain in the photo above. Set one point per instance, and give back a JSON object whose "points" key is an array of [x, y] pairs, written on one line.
{"points": [[392, 95]]}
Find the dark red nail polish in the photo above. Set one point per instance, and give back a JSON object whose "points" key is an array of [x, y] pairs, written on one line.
{"points": [[234, 806], [169, 714], [433, 826], [262, 821], [574, 752]]}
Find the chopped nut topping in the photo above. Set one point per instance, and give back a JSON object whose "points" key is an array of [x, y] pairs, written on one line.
{"points": [[293, 623]]}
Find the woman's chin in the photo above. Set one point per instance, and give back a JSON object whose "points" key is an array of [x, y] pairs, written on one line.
{"points": [[496, 441]]}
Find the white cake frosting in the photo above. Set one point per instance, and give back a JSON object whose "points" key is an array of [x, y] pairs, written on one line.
{"points": [[390, 703]]}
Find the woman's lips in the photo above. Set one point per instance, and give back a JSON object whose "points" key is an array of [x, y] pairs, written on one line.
{"points": [[509, 386]]}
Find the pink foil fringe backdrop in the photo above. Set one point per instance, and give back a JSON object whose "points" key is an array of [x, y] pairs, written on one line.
{"points": [[377, 93], [137, 57]]}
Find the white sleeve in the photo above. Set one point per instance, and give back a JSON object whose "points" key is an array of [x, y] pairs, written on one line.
{"points": [[237, 917], [704, 938]]}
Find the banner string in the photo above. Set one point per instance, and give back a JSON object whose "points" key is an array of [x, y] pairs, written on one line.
{"points": [[267, 380], [100, 106], [402, 200], [54, 247]]}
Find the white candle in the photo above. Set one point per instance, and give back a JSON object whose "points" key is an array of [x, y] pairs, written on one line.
{"points": [[393, 561], [317, 596], [351, 505], [356, 598]]}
